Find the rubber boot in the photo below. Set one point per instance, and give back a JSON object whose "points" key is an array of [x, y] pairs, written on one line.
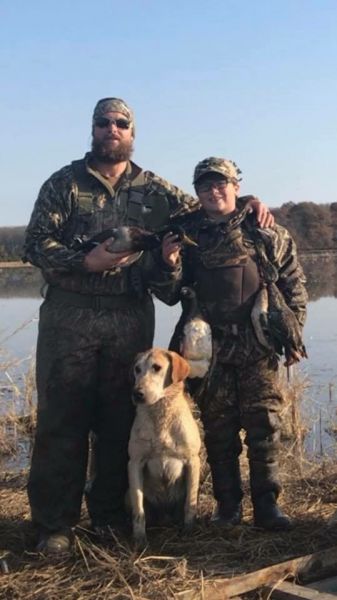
{"points": [[57, 543], [265, 488], [268, 515], [228, 493]]}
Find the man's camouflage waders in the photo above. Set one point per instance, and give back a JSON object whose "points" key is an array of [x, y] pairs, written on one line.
{"points": [[84, 383], [91, 327]]}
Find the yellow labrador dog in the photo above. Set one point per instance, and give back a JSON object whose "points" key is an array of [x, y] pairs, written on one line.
{"points": [[164, 465]]}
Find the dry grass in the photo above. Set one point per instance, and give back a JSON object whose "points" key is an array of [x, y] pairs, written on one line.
{"points": [[173, 561], [294, 426], [19, 421]]}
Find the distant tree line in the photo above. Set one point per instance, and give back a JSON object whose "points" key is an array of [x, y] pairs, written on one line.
{"points": [[11, 242], [313, 226]]}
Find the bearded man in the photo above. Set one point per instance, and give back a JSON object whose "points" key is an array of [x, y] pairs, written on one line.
{"points": [[97, 314]]}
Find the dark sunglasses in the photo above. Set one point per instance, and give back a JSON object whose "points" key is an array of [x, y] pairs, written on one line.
{"points": [[207, 186], [105, 122]]}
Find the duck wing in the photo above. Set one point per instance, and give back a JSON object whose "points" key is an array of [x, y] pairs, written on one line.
{"points": [[282, 322], [259, 317]]}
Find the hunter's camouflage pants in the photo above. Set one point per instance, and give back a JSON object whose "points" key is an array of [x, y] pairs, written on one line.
{"points": [[84, 358], [243, 397]]}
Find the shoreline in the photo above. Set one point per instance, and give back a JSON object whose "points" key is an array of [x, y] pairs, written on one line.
{"points": [[322, 253]]}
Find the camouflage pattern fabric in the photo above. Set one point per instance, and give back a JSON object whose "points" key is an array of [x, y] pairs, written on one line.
{"points": [[84, 354], [58, 219], [84, 383], [241, 390], [243, 397], [231, 243], [113, 105], [223, 166]]}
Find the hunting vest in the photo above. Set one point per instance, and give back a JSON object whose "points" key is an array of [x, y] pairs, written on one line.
{"points": [[99, 207], [225, 274]]}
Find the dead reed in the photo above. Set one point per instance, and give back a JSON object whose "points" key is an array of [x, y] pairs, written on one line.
{"points": [[18, 418], [295, 425], [173, 562]]}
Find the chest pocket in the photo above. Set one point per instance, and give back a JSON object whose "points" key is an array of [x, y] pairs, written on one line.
{"points": [[85, 205], [83, 214], [95, 212], [135, 206], [149, 210]]}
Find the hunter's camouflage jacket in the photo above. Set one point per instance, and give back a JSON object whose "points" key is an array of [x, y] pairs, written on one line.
{"points": [[231, 243], [76, 203]]}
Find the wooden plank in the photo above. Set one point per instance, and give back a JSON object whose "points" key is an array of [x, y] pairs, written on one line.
{"points": [[329, 584], [292, 591], [311, 566], [14, 264]]}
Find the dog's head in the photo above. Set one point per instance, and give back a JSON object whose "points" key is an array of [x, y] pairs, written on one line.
{"points": [[154, 371]]}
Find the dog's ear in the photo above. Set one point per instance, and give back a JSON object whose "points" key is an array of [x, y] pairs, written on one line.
{"points": [[180, 367]]}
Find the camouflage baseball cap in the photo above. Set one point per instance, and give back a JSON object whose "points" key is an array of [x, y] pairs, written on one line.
{"points": [[113, 105], [225, 167]]}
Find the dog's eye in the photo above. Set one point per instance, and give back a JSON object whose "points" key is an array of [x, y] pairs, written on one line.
{"points": [[156, 367], [137, 369]]}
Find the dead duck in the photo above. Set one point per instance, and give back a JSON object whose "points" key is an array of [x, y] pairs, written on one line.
{"points": [[259, 318], [275, 324], [133, 239], [196, 339]]}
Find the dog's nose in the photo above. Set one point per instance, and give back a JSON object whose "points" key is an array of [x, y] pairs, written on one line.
{"points": [[138, 397]]}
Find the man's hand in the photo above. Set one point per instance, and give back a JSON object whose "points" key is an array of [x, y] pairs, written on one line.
{"points": [[99, 259], [263, 214], [171, 248]]}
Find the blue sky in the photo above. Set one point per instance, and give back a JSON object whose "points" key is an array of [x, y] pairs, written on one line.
{"points": [[251, 81]]}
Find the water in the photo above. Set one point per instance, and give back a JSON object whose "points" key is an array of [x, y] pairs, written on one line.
{"points": [[19, 308], [19, 323], [321, 369]]}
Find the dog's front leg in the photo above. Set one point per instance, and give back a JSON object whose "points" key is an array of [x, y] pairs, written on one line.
{"points": [[192, 489], [135, 469]]}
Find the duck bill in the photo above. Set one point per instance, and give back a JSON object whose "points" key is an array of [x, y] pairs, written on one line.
{"points": [[187, 240]]}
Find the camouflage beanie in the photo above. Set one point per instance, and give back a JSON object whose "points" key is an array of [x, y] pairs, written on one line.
{"points": [[113, 105], [225, 167]]}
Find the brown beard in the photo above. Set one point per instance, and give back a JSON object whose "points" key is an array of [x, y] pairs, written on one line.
{"points": [[104, 154]]}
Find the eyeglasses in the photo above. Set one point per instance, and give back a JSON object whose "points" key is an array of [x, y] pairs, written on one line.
{"points": [[220, 186], [105, 122]]}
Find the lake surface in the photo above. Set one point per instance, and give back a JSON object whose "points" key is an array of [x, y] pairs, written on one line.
{"points": [[19, 308]]}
